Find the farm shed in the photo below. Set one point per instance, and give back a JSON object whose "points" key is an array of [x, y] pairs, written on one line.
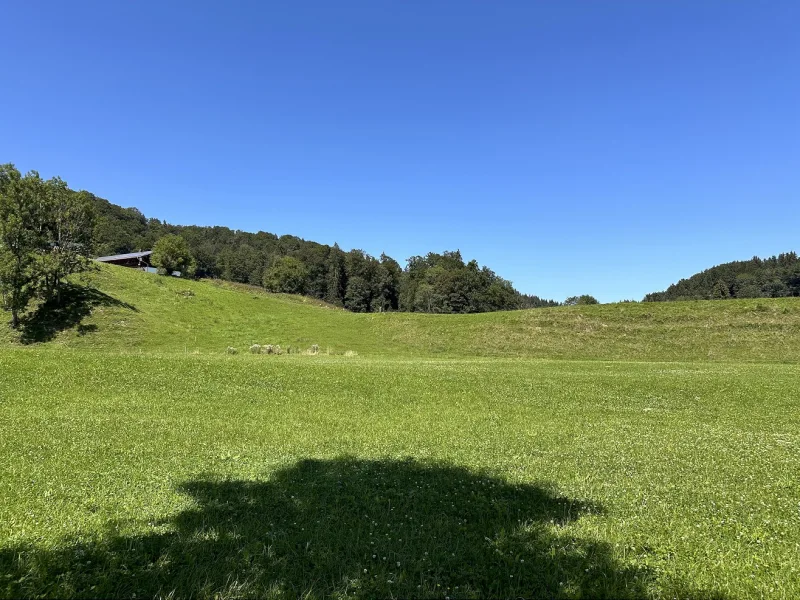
{"points": [[134, 260]]}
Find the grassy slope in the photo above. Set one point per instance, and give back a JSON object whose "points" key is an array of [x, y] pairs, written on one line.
{"points": [[153, 472], [160, 316], [150, 474]]}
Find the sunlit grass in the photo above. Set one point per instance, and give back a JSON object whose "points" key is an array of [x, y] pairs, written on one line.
{"points": [[630, 450], [138, 312], [244, 476]]}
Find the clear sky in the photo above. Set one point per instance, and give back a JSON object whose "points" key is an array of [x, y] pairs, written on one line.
{"points": [[603, 147]]}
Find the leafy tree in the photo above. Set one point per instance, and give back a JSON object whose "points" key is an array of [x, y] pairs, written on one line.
{"points": [[424, 298], [20, 238], [45, 236], [171, 254], [358, 296], [776, 289], [286, 275], [580, 300], [67, 221]]}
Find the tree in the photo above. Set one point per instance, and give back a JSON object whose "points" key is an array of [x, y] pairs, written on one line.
{"points": [[336, 276], [67, 222], [358, 296], [720, 290], [286, 275], [580, 300], [20, 237], [171, 254]]}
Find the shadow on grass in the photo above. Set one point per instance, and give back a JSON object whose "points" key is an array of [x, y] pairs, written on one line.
{"points": [[341, 528], [76, 303]]}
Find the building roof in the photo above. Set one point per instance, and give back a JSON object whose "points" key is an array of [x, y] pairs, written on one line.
{"points": [[124, 256]]}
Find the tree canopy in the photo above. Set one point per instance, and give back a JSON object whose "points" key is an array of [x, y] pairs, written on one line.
{"points": [[355, 280], [48, 231], [772, 277], [171, 255], [45, 235]]}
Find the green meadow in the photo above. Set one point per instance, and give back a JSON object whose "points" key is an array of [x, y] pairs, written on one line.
{"points": [[619, 451]]}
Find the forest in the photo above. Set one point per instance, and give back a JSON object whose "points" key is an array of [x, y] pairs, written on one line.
{"points": [[355, 280], [773, 277]]}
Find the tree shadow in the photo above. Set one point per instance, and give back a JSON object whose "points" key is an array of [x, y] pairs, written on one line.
{"points": [[76, 303], [344, 527]]}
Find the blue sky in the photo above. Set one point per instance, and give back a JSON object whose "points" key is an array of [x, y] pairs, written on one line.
{"points": [[602, 147]]}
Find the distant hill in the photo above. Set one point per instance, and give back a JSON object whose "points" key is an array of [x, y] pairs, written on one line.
{"points": [[773, 277], [128, 311], [434, 283]]}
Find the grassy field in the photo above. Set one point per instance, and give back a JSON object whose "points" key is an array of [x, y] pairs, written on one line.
{"points": [[130, 311], [662, 460]]}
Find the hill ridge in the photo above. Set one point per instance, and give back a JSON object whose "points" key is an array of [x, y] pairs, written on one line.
{"points": [[132, 311]]}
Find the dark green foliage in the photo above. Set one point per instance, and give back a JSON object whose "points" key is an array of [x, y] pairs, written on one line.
{"points": [[287, 275], [19, 239], [171, 254], [443, 283], [358, 296], [440, 283], [773, 277], [335, 276], [529, 301], [584, 299], [45, 235]]}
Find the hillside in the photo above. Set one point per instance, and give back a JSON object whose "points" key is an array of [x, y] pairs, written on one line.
{"points": [[432, 283], [129, 311], [773, 277]]}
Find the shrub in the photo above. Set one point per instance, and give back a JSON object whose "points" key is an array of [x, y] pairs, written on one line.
{"points": [[170, 254]]}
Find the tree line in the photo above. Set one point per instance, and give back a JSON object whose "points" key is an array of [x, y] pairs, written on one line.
{"points": [[773, 277], [48, 231], [355, 280]]}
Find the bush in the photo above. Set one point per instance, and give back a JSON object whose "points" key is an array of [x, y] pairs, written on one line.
{"points": [[580, 300], [171, 254]]}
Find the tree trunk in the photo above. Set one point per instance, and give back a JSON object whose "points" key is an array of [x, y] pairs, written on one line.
{"points": [[14, 319]]}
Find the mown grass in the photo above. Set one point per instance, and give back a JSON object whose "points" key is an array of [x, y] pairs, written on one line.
{"points": [[130, 311], [416, 456], [218, 476]]}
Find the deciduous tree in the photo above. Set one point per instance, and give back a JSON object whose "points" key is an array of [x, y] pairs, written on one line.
{"points": [[171, 254]]}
